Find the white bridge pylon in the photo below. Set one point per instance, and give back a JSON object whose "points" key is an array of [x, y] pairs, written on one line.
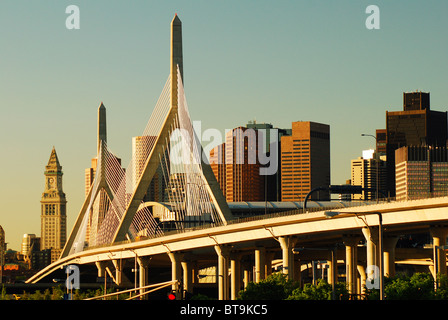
{"points": [[168, 154]]}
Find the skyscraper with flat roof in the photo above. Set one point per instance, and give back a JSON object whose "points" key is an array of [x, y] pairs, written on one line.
{"points": [[381, 141], [305, 161], [421, 172], [271, 145], [364, 173], [243, 179], [237, 167], [416, 125], [415, 100]]}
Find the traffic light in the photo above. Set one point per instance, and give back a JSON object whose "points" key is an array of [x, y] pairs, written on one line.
{"points": [[172, 295]]}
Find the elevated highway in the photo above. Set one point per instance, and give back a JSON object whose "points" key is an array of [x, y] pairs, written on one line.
{"points": [[264, 239]]}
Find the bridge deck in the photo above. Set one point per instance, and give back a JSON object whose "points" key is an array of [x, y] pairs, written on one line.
{"points": [[312, 228]]}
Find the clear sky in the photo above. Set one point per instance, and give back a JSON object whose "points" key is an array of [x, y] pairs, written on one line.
{"points": [[273, 61]]}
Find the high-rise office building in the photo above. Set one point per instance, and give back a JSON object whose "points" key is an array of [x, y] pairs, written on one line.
{"points": [[53, 209], [243, 179], [364, 173], [30, 250], [416, 125], [141, 148], [415, 100], [305, 161], [271, 146], [89, 175], [421, 172], [381, 142], [218, 165], [236, 163], [27, 243]]}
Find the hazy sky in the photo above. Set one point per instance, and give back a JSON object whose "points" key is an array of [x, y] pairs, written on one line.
{"points": [[273, 61]]}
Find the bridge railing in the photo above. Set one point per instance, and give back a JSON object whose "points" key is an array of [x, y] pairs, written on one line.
{"points": [[421, 196], [144, 291]]}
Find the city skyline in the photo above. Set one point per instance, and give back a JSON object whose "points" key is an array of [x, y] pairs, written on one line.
{"points": [[279, 62]]}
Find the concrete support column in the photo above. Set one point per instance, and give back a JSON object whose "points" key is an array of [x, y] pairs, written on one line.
{"points": [[223, 271], [143, 263], [298, 271], [246, 277], [332, 267], [287, 243], [260, 264], [176, 270], [194, 273], [439, 234], [187, 276], [371, 236], [351, 262], [389, 255], [269, 257], [247, 267], [118, 270], [101, 266], [362, 279], [235, 275], [329, 272]]}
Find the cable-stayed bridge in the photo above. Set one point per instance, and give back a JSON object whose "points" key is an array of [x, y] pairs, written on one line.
{"points": [[121, 219], [167, 153]]}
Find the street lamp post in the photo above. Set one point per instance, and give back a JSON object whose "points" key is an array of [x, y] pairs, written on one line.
{"points": [[331, 214]]}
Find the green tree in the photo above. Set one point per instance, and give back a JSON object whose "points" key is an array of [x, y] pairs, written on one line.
{"points": [[4, 296], [37, 295], [442, 290], [420, 286], [47, 294], [274, 287], [200, 296], [322, 291], [57, 293], [24, 296]]}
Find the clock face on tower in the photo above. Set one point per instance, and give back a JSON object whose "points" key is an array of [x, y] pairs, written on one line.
{"points": [[50, 183]]}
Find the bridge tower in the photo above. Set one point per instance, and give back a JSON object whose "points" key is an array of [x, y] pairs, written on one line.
{"points": [[197, 198]]}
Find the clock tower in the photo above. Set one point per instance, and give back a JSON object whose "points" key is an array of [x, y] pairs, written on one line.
{"points": [[53, 209]]}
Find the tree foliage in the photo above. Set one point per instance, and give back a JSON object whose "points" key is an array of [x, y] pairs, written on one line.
{"points": [[274, 287], [419, 286], [322, 291], [278, 287]]}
